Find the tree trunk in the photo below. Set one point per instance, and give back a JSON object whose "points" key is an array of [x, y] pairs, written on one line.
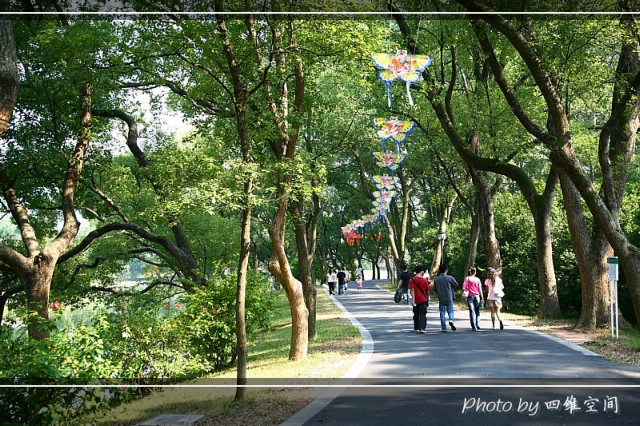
{"points": [[540, 206], [300, 230], [438, 256], [279, 268], [37, 284], [487, 222], [241, 291], [474, 237], [240, 99], [8, 68], [591, 257]]}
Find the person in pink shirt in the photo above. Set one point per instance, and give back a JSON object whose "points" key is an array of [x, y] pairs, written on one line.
{"points": [[472, 291]]}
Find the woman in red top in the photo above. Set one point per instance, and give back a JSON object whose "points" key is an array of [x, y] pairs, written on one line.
{"points": [[419, 288]]}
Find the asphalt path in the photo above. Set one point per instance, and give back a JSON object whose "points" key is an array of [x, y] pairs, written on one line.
{"points": [[511, 376]]}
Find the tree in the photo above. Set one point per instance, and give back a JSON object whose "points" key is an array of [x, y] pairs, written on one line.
{"points": [[616, 141]]}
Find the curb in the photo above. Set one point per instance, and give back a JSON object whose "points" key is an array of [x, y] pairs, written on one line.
{"points": [[358, 365]]}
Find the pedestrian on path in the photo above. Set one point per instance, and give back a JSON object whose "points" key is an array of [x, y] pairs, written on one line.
{"points": [[445, 285], [495, 293], [403, 283], [331, 281], [472, 291], [342, 279], [359, 282], [419, 288]]}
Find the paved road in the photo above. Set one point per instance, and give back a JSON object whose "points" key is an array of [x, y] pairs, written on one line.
{"points": [[513, 376]]}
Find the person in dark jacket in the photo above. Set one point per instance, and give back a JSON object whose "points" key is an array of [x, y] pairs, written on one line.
{"points": [[444, 285]]}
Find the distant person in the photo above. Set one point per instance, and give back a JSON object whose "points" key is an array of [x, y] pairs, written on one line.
{"points": [[331, 281], [444, 285], [359, 272], [359, 281], [419, 287], [495, 293], [342, 279], [403, 283], [472, 290]]}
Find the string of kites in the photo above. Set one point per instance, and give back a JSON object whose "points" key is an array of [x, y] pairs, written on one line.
{"points": [[407, 68]]}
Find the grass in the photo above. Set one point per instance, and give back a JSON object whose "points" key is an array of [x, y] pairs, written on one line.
{"points": [[330, 355]]}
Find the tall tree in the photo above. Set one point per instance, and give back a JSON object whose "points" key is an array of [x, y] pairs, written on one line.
{"points": [[617, 138], [539, 203]]}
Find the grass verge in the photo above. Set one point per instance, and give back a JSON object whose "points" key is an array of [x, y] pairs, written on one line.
{"points": [[330, 355]]}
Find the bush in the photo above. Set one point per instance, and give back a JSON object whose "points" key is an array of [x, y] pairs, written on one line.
{"points": [[209, 317], [143, 340]]}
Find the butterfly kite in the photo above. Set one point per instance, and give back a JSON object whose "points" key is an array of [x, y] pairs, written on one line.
{"points": [[384, 196], [402, 66], [389, 160], [385, 181], [393, 128]]}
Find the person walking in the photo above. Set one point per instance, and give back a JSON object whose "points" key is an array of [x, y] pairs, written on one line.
{"points": [[472, 291], [403, 283], [419, 288], [444, 285], [495, 293], [331, 281], [342, 279]]}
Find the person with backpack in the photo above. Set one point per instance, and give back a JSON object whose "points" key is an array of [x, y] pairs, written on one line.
{"points": [[419, 287], [403, 283]]}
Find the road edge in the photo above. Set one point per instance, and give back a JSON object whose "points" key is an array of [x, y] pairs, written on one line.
{"points": [[366, 351]]}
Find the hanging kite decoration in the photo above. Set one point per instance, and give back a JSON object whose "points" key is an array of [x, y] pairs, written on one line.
{"points": [[389, 160], [400, 66], [385, 182], [393, 128]]}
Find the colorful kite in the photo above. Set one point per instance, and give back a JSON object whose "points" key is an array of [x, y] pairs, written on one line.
{"points": [[389, 160], [400, 65], [385, 181], [384, 196], [368, 219], [393, 128]]}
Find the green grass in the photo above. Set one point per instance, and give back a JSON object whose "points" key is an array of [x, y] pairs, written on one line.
{"points": [[330, 355]]}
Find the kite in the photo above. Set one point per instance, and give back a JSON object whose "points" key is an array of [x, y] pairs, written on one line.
{"points": [[400, 65], [389, 160], [384, 196], [385, 181], [368, 219], [393, 128]]}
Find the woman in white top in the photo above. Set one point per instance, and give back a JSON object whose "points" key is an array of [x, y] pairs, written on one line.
{"points": [[495, 292], [331, 281]]}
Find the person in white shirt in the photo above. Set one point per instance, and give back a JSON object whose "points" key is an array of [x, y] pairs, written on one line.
{"points": [[495, 293]]}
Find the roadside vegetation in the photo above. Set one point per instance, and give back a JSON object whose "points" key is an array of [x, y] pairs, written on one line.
{"points": [[330, 356]]}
